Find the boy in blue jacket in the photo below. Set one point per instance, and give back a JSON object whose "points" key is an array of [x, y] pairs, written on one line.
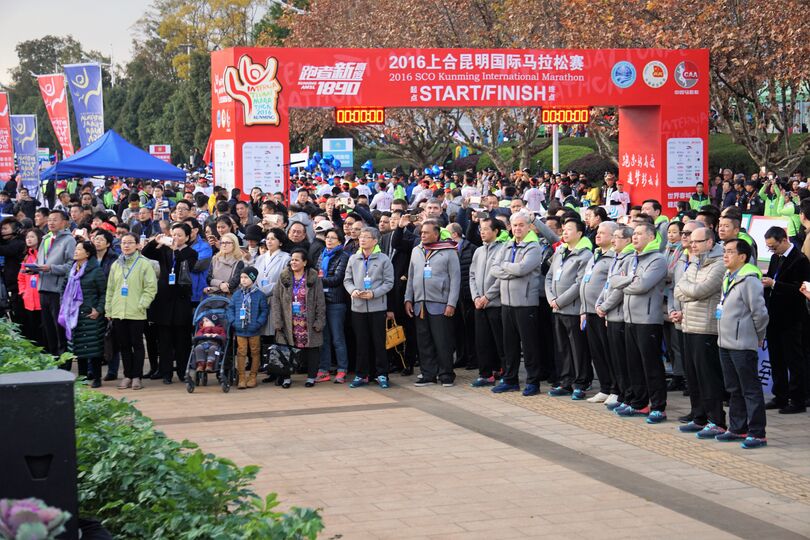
{"points": [[247, 314]]}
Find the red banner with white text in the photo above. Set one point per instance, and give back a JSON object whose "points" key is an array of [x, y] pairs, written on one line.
{"points": [[52, 88], [6, 150]]}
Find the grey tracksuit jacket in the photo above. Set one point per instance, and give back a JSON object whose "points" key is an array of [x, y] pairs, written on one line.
{"points": [[611, 300], [565, 274], [593, 282], [482, 282], [59, 258], [643, 286], [518, 270], [744, 317], [443, 286], [381, 272]]}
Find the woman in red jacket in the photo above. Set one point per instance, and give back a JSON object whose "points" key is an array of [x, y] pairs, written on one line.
{"points": [[28, 286]]}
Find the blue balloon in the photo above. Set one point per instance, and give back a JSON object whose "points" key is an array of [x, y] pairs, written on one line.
{"points": [[436, 170], [328, 159], [336, 163], [367, 166], [317, 157], [427, 170], [309, 168], [293, 170]]}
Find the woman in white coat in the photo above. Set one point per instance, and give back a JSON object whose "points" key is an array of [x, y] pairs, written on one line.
{"points": [[270, 264]]}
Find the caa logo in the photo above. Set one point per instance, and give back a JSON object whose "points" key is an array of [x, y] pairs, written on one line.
{"points": [[655, 74], [623, 74], [686, 74]]}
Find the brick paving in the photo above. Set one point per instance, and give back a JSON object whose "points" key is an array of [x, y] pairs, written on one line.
{"points": [[464, 463]]}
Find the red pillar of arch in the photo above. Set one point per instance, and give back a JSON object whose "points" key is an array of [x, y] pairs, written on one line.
{"points": [[662, 95]]}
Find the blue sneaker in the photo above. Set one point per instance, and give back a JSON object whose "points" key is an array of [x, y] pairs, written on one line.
{"points": [[728, 436], [382, 380], [482, 381], [754, 442], [578, 395], [691, 427], [616, 407], [531, 390], [502, 387], [656, 417], [710, 431], [358, 382], [558, 391], [630, 411]]}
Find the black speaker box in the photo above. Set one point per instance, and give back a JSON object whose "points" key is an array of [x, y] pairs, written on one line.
{"points": [[38, 448]]}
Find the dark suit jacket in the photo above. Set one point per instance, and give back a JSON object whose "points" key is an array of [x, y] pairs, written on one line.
{"points": [[785, 302]]}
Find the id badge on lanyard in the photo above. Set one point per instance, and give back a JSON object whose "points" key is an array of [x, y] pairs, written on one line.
{"points": [[125, 289], [296, 308], [172, 278], [367, 282], [427, 273]]}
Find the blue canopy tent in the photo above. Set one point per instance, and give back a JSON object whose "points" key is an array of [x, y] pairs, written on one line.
{"points": [[112, 155]]}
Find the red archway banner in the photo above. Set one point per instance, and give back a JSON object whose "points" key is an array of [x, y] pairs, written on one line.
{"points": [[662, 95]]}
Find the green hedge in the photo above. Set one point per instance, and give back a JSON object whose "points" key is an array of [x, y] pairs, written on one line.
{"points": [[142, 484]]}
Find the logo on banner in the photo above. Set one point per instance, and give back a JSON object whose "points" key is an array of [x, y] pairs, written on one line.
{"points": [[623, 74], [255, 86], [85, 89], [23, 139], [686, 74], [341, 79], [655, 74], [52, 88]]}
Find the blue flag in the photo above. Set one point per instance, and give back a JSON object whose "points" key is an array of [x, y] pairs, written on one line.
{"points": [[84, 81], [25, 141]]}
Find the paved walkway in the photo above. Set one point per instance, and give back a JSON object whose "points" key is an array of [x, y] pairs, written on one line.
{"points": [[464, 463]]}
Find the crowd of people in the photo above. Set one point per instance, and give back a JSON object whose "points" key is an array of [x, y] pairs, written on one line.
{"points": [[480, 270]]}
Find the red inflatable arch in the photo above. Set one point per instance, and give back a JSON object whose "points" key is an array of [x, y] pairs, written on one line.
{"points": [[662, 97]]}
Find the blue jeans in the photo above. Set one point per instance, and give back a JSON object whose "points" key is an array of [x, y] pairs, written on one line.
{"points": [[334, 336]]}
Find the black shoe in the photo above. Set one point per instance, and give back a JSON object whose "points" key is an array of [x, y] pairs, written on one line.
{"points": [[407, 372], [167, 379], [279, 381], [685, 419], [269, 379], [675, 383], [155, 376], [773, 404], [96, 383], [110, 377], [793, 408]]}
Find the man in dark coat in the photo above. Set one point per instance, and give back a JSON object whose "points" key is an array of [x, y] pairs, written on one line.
{"points": [[464, 320]]}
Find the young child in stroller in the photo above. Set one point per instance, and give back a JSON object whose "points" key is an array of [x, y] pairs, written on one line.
{"points": [[209, 343]]}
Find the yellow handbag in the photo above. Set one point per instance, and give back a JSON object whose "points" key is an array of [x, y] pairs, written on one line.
{"points": [[394, 334]]}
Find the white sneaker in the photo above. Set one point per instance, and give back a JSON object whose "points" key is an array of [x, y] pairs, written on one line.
{"points": [[611, 400], [598, 398]]}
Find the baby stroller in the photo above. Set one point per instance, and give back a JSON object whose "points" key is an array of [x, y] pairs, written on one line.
{"points": [[213, 308]]}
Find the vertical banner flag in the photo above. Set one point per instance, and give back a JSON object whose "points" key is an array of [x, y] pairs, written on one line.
{"points": [[84, 81], [6, 150], [52, 88], [24, 137]]}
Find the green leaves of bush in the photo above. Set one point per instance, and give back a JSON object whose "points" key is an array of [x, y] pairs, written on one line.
{"points": [[18, 354]]}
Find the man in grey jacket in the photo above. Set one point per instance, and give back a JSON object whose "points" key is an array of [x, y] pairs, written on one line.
{"points": [[485, 290], [609, 306], [741, 328], [54, 260], [698, 291], [643, 289], [431, 295], [567, 270], [590, 287], [518, 270]]}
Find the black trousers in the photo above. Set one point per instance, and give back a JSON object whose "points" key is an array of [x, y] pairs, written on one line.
{"points": [[703, 353], [673, 342], [54, 334], [371, 343], [746, 404], [128, 335], [787, 362], [618, 359], [434, 334], [520, 333], [311, 360], [545, 329], [31, 326], [175, 347], [152, 349], [83, 363], [597, 335], [645, 367], [488, 334], [571, 358], [464, 322]]}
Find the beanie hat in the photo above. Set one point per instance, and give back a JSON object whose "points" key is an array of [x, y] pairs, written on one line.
{"points": [[251, 272]]}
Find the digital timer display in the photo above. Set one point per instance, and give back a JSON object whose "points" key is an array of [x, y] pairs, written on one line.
{"points": [[580, 115], [359, 115]]}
